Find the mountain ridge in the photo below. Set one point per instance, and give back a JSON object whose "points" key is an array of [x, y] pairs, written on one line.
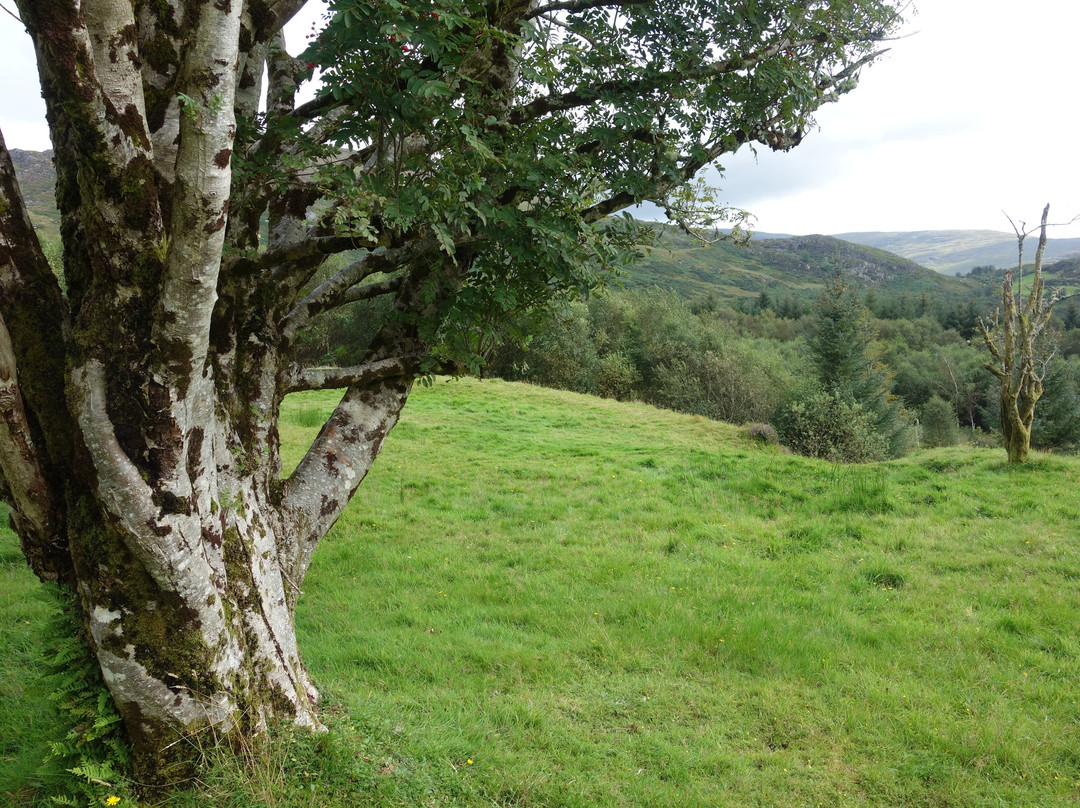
{"points": [[952, 252]]}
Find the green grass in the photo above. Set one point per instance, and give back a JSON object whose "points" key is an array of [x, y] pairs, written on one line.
{"points": [[27, 718], [544, 599]]}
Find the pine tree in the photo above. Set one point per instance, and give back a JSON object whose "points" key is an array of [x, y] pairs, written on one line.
{"points": [[848, 363]]}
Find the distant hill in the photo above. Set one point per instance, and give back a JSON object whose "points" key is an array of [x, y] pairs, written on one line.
{"points": [[956, 251], [801, 265], [37, 181]]}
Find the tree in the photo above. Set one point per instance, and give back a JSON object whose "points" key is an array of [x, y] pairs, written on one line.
{"points": [[939, 425], [849, 365], [467, 157], [1019, 350]]}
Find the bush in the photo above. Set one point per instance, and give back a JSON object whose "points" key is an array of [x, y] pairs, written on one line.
{"points": [[939, 426], [564, 355], [848, 358], [617, 377], [735, 384], [824, 425]]}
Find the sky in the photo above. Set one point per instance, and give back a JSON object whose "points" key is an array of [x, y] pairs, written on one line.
{"points": [[971, 115]]}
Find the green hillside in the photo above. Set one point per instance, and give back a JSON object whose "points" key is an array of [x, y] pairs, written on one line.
{"points": [[37, 181], [546, 599], [801, 265]]}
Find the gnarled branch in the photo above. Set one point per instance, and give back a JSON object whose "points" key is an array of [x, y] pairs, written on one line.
{"points": [[328, 294], [329, 378]]}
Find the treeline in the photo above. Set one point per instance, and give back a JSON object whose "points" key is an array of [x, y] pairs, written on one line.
{"points": [[865, 388], [845, 376]]}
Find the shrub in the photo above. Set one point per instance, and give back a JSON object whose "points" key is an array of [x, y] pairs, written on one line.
{"points": [[1055, 425], [844, 349], [939, 426], [736, 384], [564, 356], [824, 425], [89, 760], [617, 377]]}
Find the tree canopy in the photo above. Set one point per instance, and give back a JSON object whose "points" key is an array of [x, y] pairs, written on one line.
{"points": [[465, 157]]}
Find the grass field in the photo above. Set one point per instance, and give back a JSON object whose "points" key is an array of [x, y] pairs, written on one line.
{"points": [[544, 599]]}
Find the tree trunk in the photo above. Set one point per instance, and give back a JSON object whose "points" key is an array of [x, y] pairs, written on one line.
{"points": [[211, 652], [1016, 433], [138, 411], [190, 588], [190, 597], [1018, 349]]}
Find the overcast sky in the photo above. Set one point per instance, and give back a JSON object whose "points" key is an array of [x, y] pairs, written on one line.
{"points": [[972, 113]]}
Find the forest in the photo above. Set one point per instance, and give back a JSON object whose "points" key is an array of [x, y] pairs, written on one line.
{"points": [[751, 359]]}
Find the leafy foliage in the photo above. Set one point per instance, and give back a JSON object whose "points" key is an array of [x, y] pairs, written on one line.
{"points": [[502, 133], [1056, 424], [938, 421], [830, 427], [651, 347]]}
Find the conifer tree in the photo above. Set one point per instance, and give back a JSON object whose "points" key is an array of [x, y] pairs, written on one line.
{"points": [[849, 364]]}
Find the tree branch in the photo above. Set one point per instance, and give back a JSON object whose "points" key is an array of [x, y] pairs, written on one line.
{"points": [[339, 459], [331, 378], [763, 132], [581, 5], [200, 198], [368, 291], [36, 335], [121, 487], [584, 96], [277, 14], [30, 491], [308, 248], [342, 289], [325, 296], [12, 14]]}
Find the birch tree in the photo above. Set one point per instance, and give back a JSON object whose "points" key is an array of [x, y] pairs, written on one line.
{"points": [[466, 157]]}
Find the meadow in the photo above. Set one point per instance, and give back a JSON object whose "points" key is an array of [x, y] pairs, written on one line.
{"points": [[546, 599]]}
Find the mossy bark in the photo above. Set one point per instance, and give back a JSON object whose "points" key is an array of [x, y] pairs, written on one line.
{"points": [[193, 663]]}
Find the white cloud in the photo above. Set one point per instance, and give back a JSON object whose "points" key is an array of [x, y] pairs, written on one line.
{"points": [[22, 111], [970, 115]]}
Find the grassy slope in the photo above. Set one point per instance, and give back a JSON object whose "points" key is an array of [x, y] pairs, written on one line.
{"points": [[544, 599], [37, 181], [26, 717]]}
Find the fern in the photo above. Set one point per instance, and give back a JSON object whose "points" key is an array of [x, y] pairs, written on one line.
{"points": [[95, 772], [89, 764]]}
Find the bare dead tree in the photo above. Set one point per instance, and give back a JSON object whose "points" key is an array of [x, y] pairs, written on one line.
{"points": [[1018, 338]]}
